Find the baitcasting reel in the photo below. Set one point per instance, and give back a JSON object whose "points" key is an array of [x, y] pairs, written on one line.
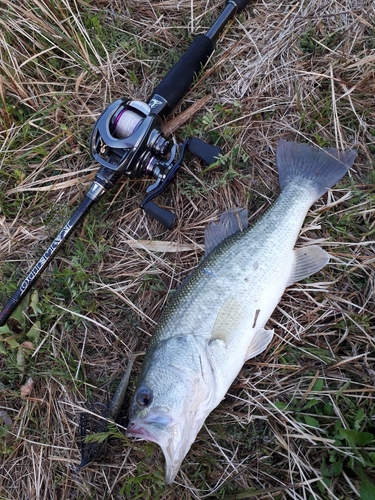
{"points": [[127, 140]]}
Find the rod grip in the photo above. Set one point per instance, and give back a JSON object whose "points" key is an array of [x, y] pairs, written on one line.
{"points": [[175, 84], [241, 4]]}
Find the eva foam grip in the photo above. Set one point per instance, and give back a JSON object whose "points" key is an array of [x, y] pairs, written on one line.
{"points": [[175, 84], [162, 215], [241, 4]]}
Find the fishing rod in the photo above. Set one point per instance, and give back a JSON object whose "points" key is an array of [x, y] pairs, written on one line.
{"points": [[127, 140]]}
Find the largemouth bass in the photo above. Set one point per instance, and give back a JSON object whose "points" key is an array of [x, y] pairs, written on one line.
{"points": [[216, 320]]}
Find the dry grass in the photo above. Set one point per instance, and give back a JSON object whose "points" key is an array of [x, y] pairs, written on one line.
{"points": [[302, 71]]}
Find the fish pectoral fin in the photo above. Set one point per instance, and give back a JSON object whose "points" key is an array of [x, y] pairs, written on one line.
{"points": [[307, 261], [259, 343], [231, 222], [227, 320]]}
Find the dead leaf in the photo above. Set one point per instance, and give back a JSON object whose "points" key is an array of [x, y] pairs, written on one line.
{"points": [[163, 246], [28, 345], [27, 388]]}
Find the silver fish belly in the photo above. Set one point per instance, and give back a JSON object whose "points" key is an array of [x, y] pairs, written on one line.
{"points": [[216, 320]]}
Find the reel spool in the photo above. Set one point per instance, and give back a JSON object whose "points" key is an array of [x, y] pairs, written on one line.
{"points": [[125, 123]]}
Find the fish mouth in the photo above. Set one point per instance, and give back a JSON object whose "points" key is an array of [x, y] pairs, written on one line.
{"points": [[173, 462], [153, 427], [174, 450], [139, 431]]}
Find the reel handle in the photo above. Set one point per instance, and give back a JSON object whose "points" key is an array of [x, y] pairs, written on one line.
{"points": [[165, 217], [208, 154]]}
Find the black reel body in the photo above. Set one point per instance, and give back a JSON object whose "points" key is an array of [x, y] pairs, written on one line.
{"points": [[127, 140]]}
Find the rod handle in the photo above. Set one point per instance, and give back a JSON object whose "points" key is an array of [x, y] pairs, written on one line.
{"points": [[241, 4], [175, 84]]}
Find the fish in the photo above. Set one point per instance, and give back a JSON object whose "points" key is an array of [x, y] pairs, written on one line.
{"points": [[217, 319]]}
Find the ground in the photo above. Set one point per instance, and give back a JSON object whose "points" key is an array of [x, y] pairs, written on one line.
{"points": [[298, 421]]}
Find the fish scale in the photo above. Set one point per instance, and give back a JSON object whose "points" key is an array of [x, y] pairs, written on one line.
{"points": [[215, 321]]}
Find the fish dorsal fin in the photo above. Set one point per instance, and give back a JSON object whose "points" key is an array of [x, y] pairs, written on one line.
{"points": [[307, 261], [228, 319], [231, 221], [259, 343]]}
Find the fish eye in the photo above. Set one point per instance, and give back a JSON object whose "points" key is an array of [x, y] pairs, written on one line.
{"points": [[143, 397]]}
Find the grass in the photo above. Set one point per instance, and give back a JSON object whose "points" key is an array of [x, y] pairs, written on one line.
{"points": [[298, 421]]}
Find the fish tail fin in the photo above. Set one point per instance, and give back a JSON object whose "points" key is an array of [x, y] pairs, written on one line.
{"points": [[321, 167]]}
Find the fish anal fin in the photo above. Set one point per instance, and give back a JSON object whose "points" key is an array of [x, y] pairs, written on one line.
{"points": [[259, 343], [307, 261], [231, 222]]}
